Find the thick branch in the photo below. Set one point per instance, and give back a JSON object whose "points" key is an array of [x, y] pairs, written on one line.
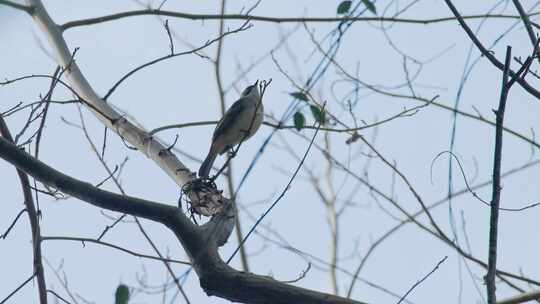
{"points": [[85, 191], [244, 287], [216, 277]]}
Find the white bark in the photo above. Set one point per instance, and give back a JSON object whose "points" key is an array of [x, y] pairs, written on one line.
{"points": [[132, 134]]}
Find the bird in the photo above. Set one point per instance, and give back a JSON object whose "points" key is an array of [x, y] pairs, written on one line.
{"points": [[240, 122]]}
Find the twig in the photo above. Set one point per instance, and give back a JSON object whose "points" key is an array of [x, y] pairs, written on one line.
{"points": [[243, 27], [302, 275], [89, 240], [58, 296], [18, 288], [470, 190], [406, 112], [5, 234], [171, 44], [72, 90], [422, 280], [62, 279]]}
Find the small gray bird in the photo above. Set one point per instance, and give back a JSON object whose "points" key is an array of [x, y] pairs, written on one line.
{"points": [[239, 123]]}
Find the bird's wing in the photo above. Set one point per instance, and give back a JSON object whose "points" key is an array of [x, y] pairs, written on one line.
{"points": [[229, 118]]}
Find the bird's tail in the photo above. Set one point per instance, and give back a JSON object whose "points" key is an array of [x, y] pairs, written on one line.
{"points": [[204, 170]]}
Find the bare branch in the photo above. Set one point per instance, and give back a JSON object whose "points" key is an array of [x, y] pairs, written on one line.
{"points": [[89, 240], [112, 17], [216, 277], [5, 234], [488, 54], [422, 280], [496, 190], [522, 298], [18, 6], [17, 289], [34, 220], [526, 21]]}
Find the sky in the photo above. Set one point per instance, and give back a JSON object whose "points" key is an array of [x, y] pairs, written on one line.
{"points": [[184, 90]]}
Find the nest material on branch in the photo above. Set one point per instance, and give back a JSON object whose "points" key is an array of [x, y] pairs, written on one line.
{"points": [[204, 197]]}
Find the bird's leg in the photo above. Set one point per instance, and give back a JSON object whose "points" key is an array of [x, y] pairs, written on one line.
{"points": [[232, 152], [168, 149]]}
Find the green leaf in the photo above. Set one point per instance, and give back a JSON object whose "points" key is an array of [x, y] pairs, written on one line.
{"points": [[299, 95], [299, 121], [370, 6], [344, 7], [122, 294], [318, 114]]}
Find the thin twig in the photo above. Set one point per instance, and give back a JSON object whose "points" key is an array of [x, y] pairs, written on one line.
{"points": [[58, 296], [243, 27], [89, 240], [5, 234], [301, 276], [422, 280], [17, 289], [474, 194]]}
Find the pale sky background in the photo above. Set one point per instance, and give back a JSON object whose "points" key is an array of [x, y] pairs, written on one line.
{"points": [[184, 90]]}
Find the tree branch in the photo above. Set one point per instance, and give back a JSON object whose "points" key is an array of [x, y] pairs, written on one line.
{"points": [[145, 12], [89, 240], [140, 139], [522, 298], [34, 220], [216, 277], [18, 6], [85, 191], [524, 84], [496, 189], [526, 21]]}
